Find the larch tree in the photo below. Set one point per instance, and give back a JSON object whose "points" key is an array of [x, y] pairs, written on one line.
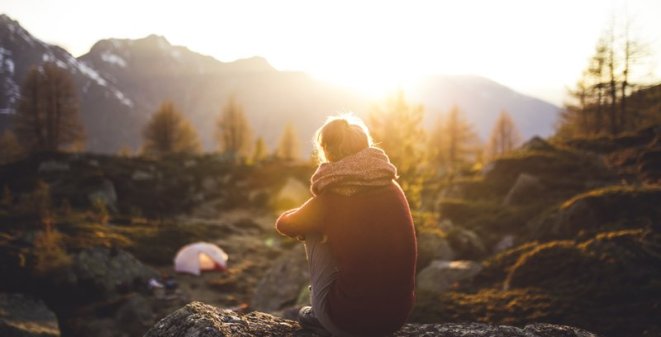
{"points": [[47, 117], [396, 127], [288, 147], [504, 137], [168, 133], [233, 131], [260, 152], [10, 149], [599, 103], [453, 142]]}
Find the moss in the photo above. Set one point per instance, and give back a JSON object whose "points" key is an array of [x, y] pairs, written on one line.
{"points": [[496, 268], [606, 209]]}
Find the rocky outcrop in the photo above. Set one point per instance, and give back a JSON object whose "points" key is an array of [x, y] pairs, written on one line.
{"points": [[107, 272], [282, 284], [23, 316], [200, 320], [441, 276], [601, 210], [432, 245], [525, 187]]}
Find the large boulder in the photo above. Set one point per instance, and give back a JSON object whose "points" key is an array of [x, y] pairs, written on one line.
{"points": [[601, 210], [281, 286], [432, 245], [103, 272], [24, 316], [525, 188], [441, 276], [201, 320]]}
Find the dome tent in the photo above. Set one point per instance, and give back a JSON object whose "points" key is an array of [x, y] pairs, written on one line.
{"points": [[200, 256]]}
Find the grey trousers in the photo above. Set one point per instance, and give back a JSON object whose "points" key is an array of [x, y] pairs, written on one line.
{"points": [[323, 271]]}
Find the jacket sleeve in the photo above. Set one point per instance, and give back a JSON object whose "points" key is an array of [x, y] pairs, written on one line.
{"points": [[300, 221]]}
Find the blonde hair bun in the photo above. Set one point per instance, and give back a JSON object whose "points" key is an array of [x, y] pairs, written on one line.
{"points": [[341, 136]]}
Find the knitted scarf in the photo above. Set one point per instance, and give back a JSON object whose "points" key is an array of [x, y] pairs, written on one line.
{"points": [[366, 169]]}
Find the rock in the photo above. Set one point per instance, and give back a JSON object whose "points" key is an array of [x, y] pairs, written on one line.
{"points": [[432, 246], [106, 272], [465, 243], [201, 320], [282, 283], [598, 210], [537, 144], [440, 276], [104, 192], [524, 189], [209, 184], [505, 243], [140, 175], [53, 166], [24, 316], [292, 194], [129, 315]]}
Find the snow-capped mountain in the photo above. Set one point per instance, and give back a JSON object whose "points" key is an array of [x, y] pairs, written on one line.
{"points": [[122, 82], [106, 111]]}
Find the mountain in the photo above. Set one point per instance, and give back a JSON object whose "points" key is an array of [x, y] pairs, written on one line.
{"points": [[151, 70], [122, 82], [106, 111], [482, 100]]}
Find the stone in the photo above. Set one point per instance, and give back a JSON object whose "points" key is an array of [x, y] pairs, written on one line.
{"points": [[282, 283], [525, 188], [537, 144], [432, 246], [108, 272], [209, 184], [465, 243], [441, 276], [201, 320], [140, 175], [53, 166], [505, 243], [25, 316], [104, 192]]}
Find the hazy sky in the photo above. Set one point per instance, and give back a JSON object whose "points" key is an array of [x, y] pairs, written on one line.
{"points": [[534, 46]]}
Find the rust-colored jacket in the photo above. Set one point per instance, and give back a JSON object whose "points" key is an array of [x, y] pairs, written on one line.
{"points": [[372, 238]]}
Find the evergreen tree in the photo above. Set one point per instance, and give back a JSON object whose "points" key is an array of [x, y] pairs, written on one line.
{"points": [[168, 132], [233, 131], [504, 137], [47, 115], [288, 148]]}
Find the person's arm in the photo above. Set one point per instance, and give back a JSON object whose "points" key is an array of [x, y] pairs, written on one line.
{"points": [[300, 221]]}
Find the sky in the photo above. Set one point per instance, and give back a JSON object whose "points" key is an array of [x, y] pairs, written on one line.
{"points": [[538, 47]]}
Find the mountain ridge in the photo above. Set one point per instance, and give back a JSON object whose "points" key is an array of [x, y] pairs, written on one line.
{"points": [[123, 81]]}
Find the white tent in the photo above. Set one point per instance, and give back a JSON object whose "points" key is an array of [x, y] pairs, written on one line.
{"points": [[200, 256]]}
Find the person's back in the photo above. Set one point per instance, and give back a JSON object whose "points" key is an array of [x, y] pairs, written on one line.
{"points": [[359, 237], [372, 238]]}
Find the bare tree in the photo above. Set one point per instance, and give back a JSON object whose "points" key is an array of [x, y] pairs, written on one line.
{"points": [[600, 99]]}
